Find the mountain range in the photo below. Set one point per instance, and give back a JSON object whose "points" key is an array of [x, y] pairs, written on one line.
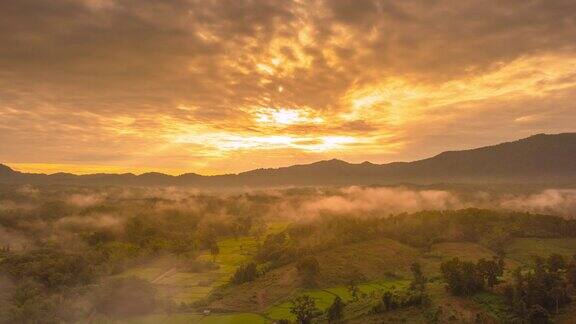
{"points": [[540, 159]]}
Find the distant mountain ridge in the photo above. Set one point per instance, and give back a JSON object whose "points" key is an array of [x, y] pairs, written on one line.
{"points": [[537, 159]]}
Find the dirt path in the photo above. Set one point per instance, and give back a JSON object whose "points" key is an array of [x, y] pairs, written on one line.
{"points": [[163, 275]]}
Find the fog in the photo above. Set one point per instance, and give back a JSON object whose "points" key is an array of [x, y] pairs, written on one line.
{"points": [[118, 228], [393, 200], [388, 200], [29, 214], [551, 201]]}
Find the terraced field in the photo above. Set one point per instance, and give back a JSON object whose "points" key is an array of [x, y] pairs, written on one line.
{"points": [[173, 280], [325, 297]]}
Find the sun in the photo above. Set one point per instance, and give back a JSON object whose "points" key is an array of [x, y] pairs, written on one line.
{"points": [[285, 116]]}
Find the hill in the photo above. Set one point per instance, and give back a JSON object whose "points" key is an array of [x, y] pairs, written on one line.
{"points": [[537, 159]]}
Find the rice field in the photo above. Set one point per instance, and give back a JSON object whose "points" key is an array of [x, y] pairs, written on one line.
{"points": [[325, 297]]}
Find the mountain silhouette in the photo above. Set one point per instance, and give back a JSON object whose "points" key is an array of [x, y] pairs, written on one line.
{"points": [[537, 159]]}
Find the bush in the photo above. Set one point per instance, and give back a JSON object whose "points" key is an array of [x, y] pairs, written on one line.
{"points": [[304, 308], [335, 312], [466, 278], [245, 273], [392, 300]]}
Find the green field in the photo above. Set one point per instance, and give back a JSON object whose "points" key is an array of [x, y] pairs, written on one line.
{"points": [[174, 282], [233, 252], [382, 258], [325, 297]]}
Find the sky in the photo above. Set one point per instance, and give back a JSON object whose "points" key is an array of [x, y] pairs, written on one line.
{"points": [[224, 86]]}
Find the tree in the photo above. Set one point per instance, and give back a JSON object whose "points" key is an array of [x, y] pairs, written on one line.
{"points": [[490, 270], [389, 301], [354, 291], [539, 290], [418, 280], [538, 315], [462, 277], [52, 268], [556, 262], [335, 312], [465, 278], [308, 269], [214, 251], [304, 308], [30, 303], [571, 272], [392, 299], [245, 273]]}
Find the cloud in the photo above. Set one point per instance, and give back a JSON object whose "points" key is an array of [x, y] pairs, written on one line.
{"points": [[384, 201], [355, 200], [131, 78], [555, 201], [85, 200]]}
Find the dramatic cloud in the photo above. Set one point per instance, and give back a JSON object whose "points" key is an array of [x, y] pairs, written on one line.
{"points": [[217, 86]]}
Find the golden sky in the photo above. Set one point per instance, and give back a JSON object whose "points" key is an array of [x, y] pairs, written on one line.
{"points": [[221, 86]]}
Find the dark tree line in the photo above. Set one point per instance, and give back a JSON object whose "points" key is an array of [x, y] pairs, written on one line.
{"points": [[465, 278], [245, 273], [415, 296], [541, 289]]}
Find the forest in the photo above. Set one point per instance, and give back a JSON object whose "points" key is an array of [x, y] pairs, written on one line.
{"points": [[309, 255]]}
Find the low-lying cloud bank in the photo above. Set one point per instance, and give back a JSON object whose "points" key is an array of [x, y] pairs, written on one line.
{"points": [[393, 200], [551, 201], [30, 214]]}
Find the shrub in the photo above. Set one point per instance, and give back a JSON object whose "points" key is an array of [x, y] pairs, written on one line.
{"points": [[304, 308], [245, 273], [335, 312]]}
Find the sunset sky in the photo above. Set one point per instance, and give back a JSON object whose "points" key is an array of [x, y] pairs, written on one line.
{"points": [[213, 87]]}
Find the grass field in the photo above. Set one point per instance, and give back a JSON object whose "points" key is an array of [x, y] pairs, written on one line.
{"points": [[182, 286], [374, 260], [524, 249], [463, 250], [174, 282], [441, 252], [233, 252]]}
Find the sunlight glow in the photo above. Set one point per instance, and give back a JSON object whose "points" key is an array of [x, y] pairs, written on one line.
{"points": [[284, 116], [231, 142]]}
